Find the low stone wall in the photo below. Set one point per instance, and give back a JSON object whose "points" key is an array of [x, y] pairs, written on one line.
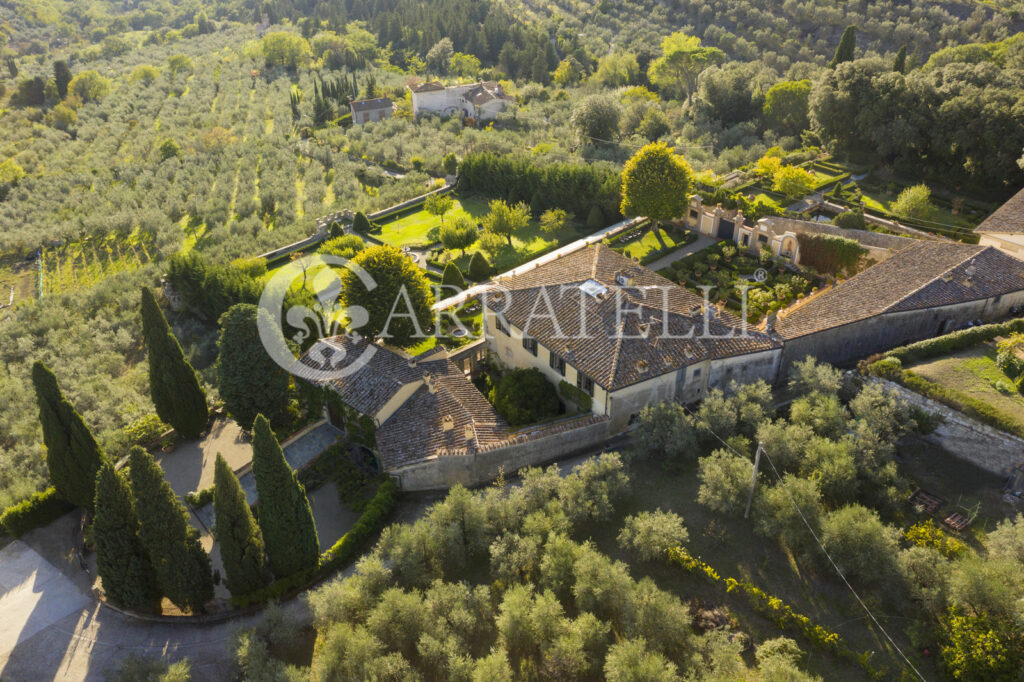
{"points": [[988, 448], [444, 471]]}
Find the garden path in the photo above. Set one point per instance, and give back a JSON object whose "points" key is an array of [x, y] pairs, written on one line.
{"points": [[703, 242]]}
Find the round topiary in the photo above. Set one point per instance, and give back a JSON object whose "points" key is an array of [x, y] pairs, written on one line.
{"points": [[524, 396]]}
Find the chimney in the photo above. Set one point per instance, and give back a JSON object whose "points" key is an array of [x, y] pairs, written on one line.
{"points": [[469, 433], [447, 422], [428, 379], [412, 363]]}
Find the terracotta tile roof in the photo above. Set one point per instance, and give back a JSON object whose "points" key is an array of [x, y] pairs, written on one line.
{"points": [[1008, 218], [453, 417], [434, 417], [616, 321], [930, 274], [429, 86], [371, 104]]}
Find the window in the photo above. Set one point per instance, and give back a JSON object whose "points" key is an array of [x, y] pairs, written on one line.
{"points": [[556, 363], [696, 373], [500, 325], [530, 344], [584, 383]]}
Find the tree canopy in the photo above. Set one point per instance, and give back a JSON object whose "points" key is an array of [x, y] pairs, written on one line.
{"points": [[656, 183]]}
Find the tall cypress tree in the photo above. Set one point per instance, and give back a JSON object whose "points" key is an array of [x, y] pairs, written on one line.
{"points": [[61, 77], [177, 395], [241, 544], [250, 381], [900, 63], [124, 566], [182, 566], [846, 47], [72, 454], [285, 516]]}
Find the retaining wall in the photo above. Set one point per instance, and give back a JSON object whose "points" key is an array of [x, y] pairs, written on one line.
{"points": [[444, 471], [986, 447]]}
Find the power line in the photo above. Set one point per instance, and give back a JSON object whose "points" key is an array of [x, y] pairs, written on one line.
{"points": [[822, 546]]}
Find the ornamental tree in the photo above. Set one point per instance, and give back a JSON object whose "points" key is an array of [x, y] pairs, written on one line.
{"points": [[438, 204], [72, 454], [398, 307], [129, 580], [182, 566], [793, 181], [656, 183], [240, 540], [460, 233], [506, 220], [285, 516], [174, 386]]}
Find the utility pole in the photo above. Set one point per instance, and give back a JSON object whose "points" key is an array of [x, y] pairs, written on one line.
{"points": [[753, 478]]}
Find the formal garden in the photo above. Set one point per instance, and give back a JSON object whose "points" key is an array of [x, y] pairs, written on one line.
{"points": [[649, 242], [725, 267]]}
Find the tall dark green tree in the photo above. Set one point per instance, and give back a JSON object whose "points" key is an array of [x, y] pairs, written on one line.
{"points": [[61, 76], [846, 47], [249, 379], [182, 566], [72, 454], [177, 395], [285, 515], [127, 573], [900, 63], [241, 544]]}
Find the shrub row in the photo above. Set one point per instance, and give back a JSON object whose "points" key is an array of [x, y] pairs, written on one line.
{"points": [[37, 511], [952, 342], [778, 611], [373, 518], [199, 498]]}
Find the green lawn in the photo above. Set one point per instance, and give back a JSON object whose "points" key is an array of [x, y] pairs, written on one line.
{"points": [[525, 246], [974, 371], [411, 229], [652, 240]]}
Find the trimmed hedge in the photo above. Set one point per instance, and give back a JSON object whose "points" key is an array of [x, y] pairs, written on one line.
{"points": [[954, 341], [39, 510], [570, 392], [962, 402], [373, 518]]}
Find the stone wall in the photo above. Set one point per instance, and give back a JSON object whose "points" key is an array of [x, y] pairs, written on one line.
{"points": [[986, 447], [444, 471]]}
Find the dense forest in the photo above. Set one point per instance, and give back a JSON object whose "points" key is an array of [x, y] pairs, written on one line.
{"points": [[133, 132]]}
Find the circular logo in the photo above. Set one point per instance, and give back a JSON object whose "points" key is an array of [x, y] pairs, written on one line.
{"points": [[324, 318], [760, 275]]}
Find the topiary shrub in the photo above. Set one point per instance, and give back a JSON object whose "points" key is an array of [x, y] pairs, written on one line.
{"points": [[37, 511], [524, 396], [335, 230], [479, 268], [452, 278], [361, 223]]}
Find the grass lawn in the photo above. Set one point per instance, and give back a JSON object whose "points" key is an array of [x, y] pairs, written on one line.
{"points": [[411, 229], [525, 246], [974, 371], [652, 240], [731, 546]]}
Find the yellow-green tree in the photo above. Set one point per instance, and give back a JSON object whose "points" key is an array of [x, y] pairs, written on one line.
{"points": [[285, 48], [682, 60], [793, 181], [656, 183], [88, 86]]}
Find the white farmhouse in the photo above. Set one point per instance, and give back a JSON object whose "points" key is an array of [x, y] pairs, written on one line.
{"points": [[479, 101]]}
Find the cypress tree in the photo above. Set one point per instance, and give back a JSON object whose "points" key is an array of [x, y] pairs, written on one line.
{"points": [[241, 545], [285, 516], [125, 568], [900, 63], [250, 381], [72, 454], [845, 49], [61, 77], [182, 566], [177, 395]]}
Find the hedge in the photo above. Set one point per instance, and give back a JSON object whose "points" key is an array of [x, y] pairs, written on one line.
{"points": [[952, 342], [373, 518], [199, 498], [570, 392], [39, 510], [781, 613]]}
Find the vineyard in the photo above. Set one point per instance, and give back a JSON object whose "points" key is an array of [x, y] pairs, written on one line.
{"points": [[83, 263]]}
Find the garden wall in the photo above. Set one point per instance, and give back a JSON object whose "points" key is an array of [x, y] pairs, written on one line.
{"points": [[986, 447], [554, 442]]}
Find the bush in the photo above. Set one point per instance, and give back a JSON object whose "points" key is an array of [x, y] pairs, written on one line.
{"points": [[199, 498], [479, 268], [651, 534], [452, 278], [850, 220], [360, 223], [583, 401], [39, 510], [524, 396], [830, 254]]}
